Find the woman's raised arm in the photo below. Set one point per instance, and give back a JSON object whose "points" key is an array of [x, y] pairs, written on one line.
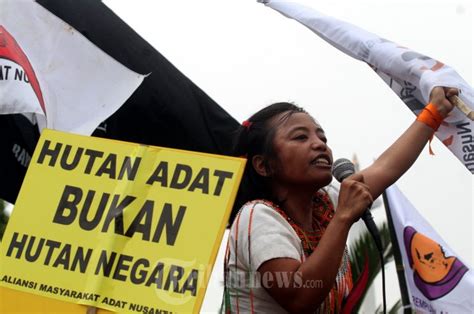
{"points": [[399, 157]]}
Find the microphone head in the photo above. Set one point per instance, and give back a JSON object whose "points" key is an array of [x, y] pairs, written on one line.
{"points": [[342, 168]]}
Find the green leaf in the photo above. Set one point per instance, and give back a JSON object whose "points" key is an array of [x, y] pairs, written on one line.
{"points": [[365, 245], [3, 218]]}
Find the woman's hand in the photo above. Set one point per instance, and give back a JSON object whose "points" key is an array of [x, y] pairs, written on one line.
{"points": [[354, 198], [439, 97]]}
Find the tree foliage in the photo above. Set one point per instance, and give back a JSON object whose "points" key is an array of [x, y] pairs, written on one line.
{"points": [[365, 246], [3, 218]]}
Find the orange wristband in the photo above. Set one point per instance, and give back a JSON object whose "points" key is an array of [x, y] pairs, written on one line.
{"points": [[430, 116]]}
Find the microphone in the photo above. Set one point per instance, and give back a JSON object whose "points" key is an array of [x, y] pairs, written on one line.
{"points": [[343, 168]]}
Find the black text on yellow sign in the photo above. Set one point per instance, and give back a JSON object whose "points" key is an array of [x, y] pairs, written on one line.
{"points": [[119, 220]]}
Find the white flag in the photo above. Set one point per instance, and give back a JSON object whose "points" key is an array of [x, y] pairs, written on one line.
{"points": [[409, 74], [438, 281], [53, 74]]}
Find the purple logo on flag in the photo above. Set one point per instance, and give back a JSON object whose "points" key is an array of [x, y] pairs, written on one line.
{"points": [[435, 275]]}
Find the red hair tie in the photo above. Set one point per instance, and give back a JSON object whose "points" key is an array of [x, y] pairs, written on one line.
{"points": [[247, 124]]}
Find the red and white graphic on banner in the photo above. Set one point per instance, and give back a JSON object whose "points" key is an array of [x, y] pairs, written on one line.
{"points": [[17, 77]]}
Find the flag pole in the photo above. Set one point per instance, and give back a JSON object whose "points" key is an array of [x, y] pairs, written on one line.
{"points": [[407, 309], [455, 100]]}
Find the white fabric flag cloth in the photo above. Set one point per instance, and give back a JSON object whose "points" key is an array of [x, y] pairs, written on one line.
{"points": [[409, 74], [52, 74], [437, 280]]}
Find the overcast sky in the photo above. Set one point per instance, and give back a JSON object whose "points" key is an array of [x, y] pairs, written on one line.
{"points": [[246, 56]]}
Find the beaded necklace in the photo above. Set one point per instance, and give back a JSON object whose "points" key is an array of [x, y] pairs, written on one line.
{"points": [[323, 212], [309, 239]]}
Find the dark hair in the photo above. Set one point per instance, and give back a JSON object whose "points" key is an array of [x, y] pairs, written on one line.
{"points": [[255, 137]]}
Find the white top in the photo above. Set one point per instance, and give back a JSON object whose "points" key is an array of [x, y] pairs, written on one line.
{"points": [[271, 237]]}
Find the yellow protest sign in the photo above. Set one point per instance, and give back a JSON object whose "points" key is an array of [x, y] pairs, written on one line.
{"points": [[14, 301], [120, 226]]}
